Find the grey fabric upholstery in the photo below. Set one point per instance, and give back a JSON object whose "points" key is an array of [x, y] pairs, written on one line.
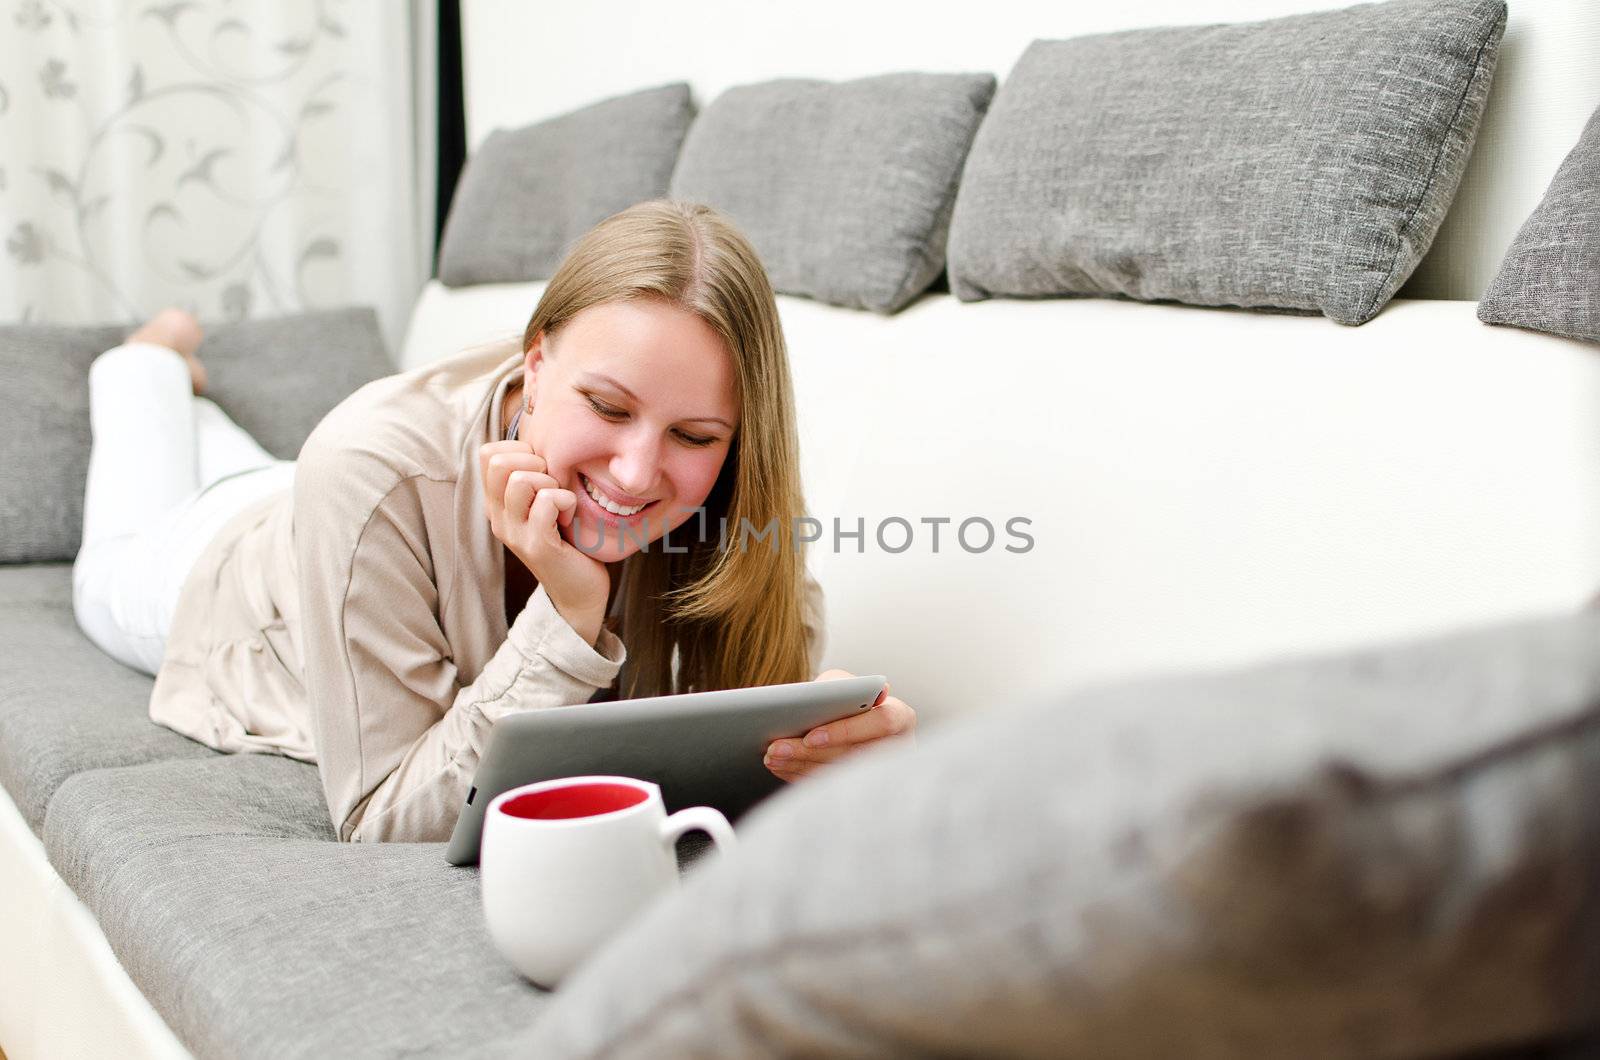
{"points": [[1550, 278], [1301, 163], [254, 934], [217, 879], [1384, 853], [65, 706], [528, 193], [844, 189], [1188, 856], [46, 369], [276, 377]]}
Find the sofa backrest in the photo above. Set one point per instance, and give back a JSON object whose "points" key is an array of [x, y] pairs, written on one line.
{"points": [[1203, 487], [526, 62]]}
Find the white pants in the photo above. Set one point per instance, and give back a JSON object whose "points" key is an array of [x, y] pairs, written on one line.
{"points": [[166, 471]]}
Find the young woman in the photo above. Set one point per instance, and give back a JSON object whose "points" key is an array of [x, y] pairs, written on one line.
{"points": [[473, 538]]}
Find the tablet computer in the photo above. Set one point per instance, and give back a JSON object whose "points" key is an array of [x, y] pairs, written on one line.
{"points": [[702, 748]]}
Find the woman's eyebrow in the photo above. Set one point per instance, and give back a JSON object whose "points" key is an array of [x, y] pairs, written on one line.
{"points": [[597, 377]]}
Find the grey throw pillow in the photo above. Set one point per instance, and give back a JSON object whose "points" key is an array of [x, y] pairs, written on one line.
{"points": [[1301, 163], [844, 189], [527, 194], [1550, 278], [277, 378], [1389, 852]]}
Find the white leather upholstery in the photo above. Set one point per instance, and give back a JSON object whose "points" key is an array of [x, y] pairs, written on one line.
{"points": [[525, 61], [62, 991], [1205, 486]]}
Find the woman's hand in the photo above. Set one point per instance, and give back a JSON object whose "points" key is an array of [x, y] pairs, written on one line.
{"points": [[527, 511], [888, 718]]}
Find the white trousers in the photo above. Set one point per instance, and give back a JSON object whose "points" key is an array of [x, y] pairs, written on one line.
{"points": [[166, 471]]}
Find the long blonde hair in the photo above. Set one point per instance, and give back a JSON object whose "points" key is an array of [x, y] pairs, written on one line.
{"points": [[732, 614]]}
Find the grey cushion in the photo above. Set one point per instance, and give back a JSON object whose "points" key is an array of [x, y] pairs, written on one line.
{"points": [[1550, 278], [528, 193], [1300, 163], [254, 934], [844, 189], [1389, 852], [65, 706], [277, 378]]}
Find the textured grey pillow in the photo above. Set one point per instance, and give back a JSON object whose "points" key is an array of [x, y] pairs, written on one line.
{"points": [[528, 193], [1301, 163], [277, 378], [1550, 278], [1389, 852], [844, 188]]}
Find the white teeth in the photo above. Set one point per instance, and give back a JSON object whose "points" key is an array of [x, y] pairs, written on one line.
{"points": [[607, 503]]}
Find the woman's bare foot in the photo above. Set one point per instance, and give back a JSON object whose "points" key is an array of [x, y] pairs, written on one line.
{"points": [[177, 330]]}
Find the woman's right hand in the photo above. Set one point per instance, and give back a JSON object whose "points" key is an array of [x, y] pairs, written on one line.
{"points": [[527, 511]]}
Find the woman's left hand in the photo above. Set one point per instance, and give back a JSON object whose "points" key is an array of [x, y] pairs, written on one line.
{"points": [[889, 718]]}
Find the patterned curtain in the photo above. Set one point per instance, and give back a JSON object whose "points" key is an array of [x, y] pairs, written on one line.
{"points": [[235, 157]]}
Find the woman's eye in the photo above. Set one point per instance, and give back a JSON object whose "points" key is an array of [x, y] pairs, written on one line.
{"points": [[610, 413], [605, 410]]}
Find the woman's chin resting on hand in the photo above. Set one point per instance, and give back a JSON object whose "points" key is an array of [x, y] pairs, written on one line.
{"points": [[889, 719]]}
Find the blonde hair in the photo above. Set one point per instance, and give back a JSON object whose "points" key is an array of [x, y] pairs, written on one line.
{"points": [[732, 614]]}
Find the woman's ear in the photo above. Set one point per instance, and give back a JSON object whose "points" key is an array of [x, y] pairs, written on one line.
{"points": [[532, 360]]}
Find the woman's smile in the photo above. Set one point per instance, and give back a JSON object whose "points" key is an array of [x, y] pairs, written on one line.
{"points": [[629, 512]]}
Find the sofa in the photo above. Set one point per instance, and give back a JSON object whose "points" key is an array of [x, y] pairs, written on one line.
{"points": [[1279, 738]]}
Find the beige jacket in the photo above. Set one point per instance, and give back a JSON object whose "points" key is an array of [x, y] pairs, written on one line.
{"points": [[358, 621]]}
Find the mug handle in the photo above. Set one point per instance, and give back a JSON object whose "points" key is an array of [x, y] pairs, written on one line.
{"points": [[706, 819]]}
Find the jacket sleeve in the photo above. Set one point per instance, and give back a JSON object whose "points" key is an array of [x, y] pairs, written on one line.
{"points": [[398, 732]]}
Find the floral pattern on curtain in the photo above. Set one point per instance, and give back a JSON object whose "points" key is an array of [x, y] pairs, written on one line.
{"points": [[235, 157]]}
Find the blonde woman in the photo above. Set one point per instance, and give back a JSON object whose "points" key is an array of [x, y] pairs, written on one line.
{"points": [[529, 524]]}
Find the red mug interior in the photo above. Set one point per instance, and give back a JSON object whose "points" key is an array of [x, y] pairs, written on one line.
{"points": [[576, 800]]}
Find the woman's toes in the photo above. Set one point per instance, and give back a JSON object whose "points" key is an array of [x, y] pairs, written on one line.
{"points": [[175, 329]]}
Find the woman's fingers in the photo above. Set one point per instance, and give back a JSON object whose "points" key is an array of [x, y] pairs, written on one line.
{"points": [[892, 717], [797, 754], [523, 490], [800, 757], [496, 462], [491, 449], [552, 506], [791, 759], [578, 584], [888, 717], [788, 776], [536, 509], [503, 465]]}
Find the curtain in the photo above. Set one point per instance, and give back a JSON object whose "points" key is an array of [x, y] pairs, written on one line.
{"points": [[235, 157]]}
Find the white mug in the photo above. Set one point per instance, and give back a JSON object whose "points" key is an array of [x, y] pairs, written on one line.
{"points": [[564, 863]]}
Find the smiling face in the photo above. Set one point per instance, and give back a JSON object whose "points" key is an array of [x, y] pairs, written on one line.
{"points": [[635, 401]]}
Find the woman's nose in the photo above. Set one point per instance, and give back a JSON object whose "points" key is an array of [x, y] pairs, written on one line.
{"points": [[636, 465]]}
